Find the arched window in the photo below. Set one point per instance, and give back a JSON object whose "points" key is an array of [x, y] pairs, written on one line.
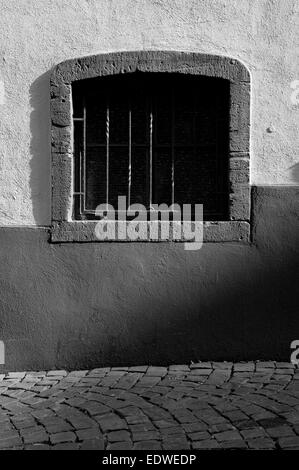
{"points": [[155, 127]]}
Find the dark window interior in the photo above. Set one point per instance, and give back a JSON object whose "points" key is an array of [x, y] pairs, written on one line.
{"points": [[154, 138]]}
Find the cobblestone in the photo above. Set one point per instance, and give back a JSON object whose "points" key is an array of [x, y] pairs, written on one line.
{"points": [[205, 405]]}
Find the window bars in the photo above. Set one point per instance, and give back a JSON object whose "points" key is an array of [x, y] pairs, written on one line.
{"points": [[154, 140]]}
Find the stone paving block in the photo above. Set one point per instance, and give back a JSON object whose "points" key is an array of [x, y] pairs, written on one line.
{"points": [[210, 420], [138, 419], [272, 422], [161, 389], [21, 421], [282, 378], [93, 444], [156, 371], [77, 401], [42, 414], [175, 395], [199, 436], [261, 443], [234, 444], [144, 427], [215, 428], [285, 442], [56, 373], [264, 416], [244, 367], [96, 373], [148, 381], [292, 417], [284, 371], [89, 381], [16, 375], [253, 433], [194, 427], [222, 365], [118, 436], [184, 416], [81, 422], [199, 372], [38, 447], [111, 422], [147, 445], [285, 365], [179, 367], [175, 444], [280, 431], [94, 408], [62, 437], [66, 446], [227, 436], [218, 377], [5, 423], [266, 364], [235, 415], [129, 380], [8, 434], [16, 408], [131, 411], [246, 424], [201, 365], [88, 434], [126, 445], [174, 431], [10, 443], [163, 423], [78, 373], [141, 369], [34, 435], [145, 436], [32, 401], [209, 444]]}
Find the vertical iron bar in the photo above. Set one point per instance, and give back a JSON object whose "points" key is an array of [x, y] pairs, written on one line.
{"points": [[151, 158], [80, 183], [107, 151], [84, 157], [172, 144], [195, 150], [130, 155]]}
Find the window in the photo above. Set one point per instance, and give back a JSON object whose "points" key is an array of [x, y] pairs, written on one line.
{"points": [[154, 138], [156, 127]]}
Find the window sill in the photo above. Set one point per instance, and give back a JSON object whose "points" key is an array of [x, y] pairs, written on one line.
{"points": [[84, 231]]}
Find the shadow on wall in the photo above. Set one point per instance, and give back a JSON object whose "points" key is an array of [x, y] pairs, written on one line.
{"points": [[234, 303], [40, 163]]}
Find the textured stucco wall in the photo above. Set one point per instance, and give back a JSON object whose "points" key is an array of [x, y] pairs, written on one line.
{"points": [[35, 36]]}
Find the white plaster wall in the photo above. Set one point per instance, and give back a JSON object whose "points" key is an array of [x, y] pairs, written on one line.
{"points": [[36, 35]]}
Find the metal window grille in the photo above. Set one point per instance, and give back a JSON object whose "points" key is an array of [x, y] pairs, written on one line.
{"points": [[153, 138]]}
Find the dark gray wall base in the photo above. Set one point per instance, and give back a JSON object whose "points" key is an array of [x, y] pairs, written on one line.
{"points": [[79, 305]]}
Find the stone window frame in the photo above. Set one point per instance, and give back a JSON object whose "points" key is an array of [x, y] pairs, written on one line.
{"points": [[64, 228]]}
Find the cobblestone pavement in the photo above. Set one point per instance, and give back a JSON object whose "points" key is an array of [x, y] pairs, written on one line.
{"points": [[201, 406]]}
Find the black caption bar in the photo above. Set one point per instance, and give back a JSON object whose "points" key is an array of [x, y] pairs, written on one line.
{"points": [[135, 459]]}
